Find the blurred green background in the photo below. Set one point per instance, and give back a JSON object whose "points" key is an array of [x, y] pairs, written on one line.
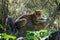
{"points": [[16, 8]]}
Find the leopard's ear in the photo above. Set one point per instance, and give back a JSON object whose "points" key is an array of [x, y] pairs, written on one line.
{"points": [[36, 12]]}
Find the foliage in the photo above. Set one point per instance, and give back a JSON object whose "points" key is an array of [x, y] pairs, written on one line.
{"points": [[36, 35], [31, 35], [4, 35], [21, 7], [1, 27]]}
